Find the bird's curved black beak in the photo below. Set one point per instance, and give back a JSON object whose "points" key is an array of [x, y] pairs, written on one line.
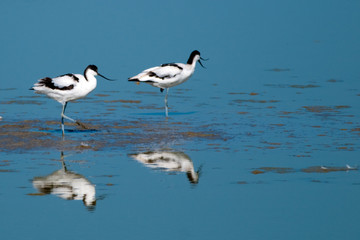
{"points": [[203, 60], [106, 77]]}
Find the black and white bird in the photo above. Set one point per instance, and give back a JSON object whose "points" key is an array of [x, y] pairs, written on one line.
{"points": [[69, 87], [169, 75]]}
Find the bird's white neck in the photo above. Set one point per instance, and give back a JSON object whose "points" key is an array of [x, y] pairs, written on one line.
{"points": [[90, 74], [90, 77], [193, 63], [91, 82]]}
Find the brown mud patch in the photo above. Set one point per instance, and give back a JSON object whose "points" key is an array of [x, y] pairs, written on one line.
{"points": [[277, 124], [31, 135], [22, 102], [6, 170], [324, 109], [243, 93], [322, 169], [334, 80], [102, 95], [312, 169], [278, 70], [304, 86], [296, 86], [241, 101], [280, 170], [199, 135]]}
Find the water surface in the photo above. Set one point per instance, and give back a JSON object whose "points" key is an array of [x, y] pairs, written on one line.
{"points": [[262, 144]]}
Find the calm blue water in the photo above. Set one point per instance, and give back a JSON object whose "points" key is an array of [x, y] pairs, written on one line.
{"points": [[262, 144]]}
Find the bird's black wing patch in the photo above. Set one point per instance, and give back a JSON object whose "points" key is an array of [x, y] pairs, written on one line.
{"points": [[75, 78], [47, 82], [152, 74], [172, 65]]}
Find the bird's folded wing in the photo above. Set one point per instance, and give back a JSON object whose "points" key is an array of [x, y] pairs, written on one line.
{"points": [[160, 73], [66, 80]]}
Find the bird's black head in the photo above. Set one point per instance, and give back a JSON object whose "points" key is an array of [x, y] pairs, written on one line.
{"points": [[92, 67], [195, 52], [95, 69], [196, 55], [192, 56]]}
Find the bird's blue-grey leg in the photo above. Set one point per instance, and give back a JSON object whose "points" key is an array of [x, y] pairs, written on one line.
{"points": [[68, 118], [63, 113], [64, 116], [166, 102]]}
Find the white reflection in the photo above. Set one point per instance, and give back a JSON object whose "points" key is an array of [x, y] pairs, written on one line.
{"points": [[169, 162], [67, 185]]}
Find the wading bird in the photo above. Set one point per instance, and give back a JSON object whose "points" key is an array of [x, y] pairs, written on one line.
{"points": [[69, 87], [169, 75]]}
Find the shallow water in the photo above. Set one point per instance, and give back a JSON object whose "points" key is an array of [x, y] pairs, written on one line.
{"points": [[262, 144]]}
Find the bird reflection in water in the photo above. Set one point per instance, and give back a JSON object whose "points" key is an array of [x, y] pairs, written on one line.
{"points": [[67, 185], [168, 161]]}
